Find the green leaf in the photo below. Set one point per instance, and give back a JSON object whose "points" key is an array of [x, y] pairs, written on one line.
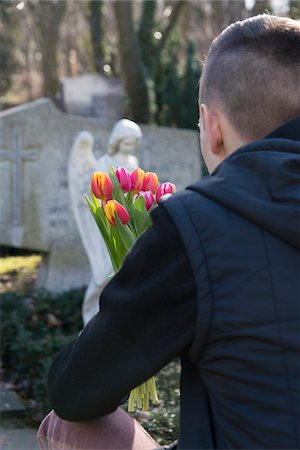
{"points": [[148, 221], [125, 234], [141, 217], [107, 239], [129, 199], [95, 199], [140, 204], [103, 226], [91, 205], [121, 250]]}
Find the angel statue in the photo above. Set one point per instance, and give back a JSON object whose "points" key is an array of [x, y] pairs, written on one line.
{"points": [[124, 140]]}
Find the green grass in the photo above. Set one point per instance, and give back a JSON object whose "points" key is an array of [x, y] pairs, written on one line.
{"points": [[19, 263], [18, 273]]}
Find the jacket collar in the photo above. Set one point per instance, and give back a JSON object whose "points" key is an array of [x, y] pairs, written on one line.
{"points": [[289, 130]]}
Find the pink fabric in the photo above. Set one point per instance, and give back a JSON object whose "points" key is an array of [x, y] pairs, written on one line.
{"points": [[117, 431]]}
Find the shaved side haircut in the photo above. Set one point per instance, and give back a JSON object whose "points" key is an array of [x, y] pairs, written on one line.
{"points": [[252, 73]]}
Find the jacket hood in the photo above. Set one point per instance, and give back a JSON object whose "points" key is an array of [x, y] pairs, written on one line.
{"points": [[261, 182]]}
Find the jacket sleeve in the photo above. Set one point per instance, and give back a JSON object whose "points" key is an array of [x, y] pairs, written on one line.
{"points": [[147, 317]]}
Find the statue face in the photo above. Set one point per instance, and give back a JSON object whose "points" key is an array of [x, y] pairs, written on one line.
{"points": [[128, 145]]}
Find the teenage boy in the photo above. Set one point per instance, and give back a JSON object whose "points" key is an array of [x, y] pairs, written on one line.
{"points": [[216, 280]]}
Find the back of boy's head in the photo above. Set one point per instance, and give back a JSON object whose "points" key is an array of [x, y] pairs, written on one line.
{"points": [[252, 73]]}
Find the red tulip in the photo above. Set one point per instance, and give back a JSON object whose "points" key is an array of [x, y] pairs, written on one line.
{"points": [[101, 185], [150, 182], [113, 206], [165, 189], [124, 178], [137, 179], [149, 198]]}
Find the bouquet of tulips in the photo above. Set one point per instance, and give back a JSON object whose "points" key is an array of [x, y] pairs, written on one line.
{"points": [[120, 205]]}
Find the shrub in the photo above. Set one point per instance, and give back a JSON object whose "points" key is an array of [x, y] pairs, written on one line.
{"points": [[33, 330], [36, 326]]}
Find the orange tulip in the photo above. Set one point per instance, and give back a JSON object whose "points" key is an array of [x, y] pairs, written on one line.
{"points": [[101, 185], [137, 179], [150, 182], [112, 207]]}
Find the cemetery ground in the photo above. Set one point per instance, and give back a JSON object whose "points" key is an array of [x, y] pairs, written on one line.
{"points": [[34, 326]]}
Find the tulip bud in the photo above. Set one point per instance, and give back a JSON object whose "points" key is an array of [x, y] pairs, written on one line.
{"points": [[149, 198], [150, 182], [164, 189], [101, 185], [137, 179], [124, 178], [113, 206]]}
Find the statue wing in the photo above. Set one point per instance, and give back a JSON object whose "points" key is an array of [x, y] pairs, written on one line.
{"points": [[82, 164]]}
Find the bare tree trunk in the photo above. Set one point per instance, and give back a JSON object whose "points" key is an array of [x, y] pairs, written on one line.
{"points": [[132, 64], [261, 6], [95, 19], [47, 16], [145, 33], [177, 7], [237, 11]]}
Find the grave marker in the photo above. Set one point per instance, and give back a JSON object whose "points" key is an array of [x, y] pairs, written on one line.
{"points": [[17, 155]]}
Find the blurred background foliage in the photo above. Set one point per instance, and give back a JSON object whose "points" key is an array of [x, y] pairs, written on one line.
{"points": [[154, 46], [34, 327]]}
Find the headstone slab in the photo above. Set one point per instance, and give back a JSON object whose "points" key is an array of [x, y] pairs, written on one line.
{"points": [[16, 155], [10, 405], [45, 134], [18, 439], [93, 95], [65, 267], [35, 212], [173, 153]]}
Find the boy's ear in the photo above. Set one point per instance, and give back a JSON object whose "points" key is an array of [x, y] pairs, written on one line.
{"points": [[212, 127]]}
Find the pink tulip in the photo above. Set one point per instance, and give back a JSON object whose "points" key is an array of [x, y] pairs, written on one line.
{"points": [[150, 182], [124, 178], [149, 198], [112, 207], [101, 185], [165, 189]]}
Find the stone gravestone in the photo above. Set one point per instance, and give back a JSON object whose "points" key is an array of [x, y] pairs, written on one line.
{"points": [[35, 212], [10, 405], [93, 95], [16, 155]]}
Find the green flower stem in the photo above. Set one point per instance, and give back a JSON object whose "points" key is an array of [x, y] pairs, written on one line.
{"points": [[146, 402], [139, 398], [153, 392], [131, 401]]}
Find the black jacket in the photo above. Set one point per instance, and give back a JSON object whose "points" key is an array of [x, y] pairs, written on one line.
{"points": [[216, 282]]}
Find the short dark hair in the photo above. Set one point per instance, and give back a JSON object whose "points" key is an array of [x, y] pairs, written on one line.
{"points": [[252, 71]]}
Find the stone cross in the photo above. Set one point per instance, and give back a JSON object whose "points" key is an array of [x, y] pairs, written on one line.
{"points": [[17, 155]]}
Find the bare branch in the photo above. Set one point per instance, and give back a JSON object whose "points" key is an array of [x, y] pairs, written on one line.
{"points": [[172, 21]]}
